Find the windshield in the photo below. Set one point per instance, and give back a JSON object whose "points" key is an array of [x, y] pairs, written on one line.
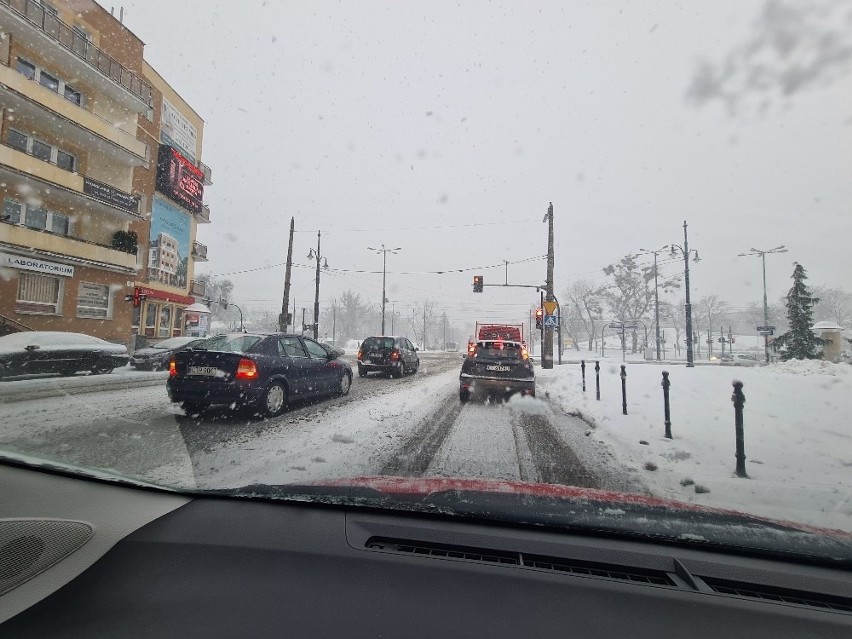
{"points": [[229, 343], [647, 205], [175, 342]]}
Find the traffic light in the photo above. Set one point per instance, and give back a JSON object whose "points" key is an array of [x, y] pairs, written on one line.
{"points": [[137, 298], [478, 283], [539, 318]]}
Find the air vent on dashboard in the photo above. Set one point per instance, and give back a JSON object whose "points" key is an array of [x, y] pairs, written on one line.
{"points": [[766, 593], [490, 556]]}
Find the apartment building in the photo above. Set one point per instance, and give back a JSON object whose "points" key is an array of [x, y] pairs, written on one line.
{"points": [[88, 241]]}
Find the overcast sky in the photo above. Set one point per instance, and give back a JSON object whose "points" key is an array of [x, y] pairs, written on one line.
{"points": [[446, 128]]}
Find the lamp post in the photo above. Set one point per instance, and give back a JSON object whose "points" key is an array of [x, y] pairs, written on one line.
{"points": [[316, 255], [754, 251], [384, 251], [656, 293], [685, 251]]}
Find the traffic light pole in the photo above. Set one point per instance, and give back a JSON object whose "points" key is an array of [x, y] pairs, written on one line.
{"points": [[547, 344]]}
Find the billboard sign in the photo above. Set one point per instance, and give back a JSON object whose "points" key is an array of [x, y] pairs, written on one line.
{"points": [[177, 131], [180, 179], [168, 249]]}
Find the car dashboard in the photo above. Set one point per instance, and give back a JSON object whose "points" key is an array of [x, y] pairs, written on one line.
{"points": [[84, 558]]}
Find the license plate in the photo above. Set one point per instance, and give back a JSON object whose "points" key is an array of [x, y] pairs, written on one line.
{"points": [[209, 371], [501, 369]]}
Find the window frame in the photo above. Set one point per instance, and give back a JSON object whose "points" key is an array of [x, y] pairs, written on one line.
{"points": [[60, 295], [34, 72], [308, 343], [54, 150], [49, 221]]}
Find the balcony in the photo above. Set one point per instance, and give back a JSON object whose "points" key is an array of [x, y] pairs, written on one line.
{"points": [[38, 29], [208, 174], [199, 252], [72, 189], [197, 288], [51, 244], [203, 216], [29, 99]]}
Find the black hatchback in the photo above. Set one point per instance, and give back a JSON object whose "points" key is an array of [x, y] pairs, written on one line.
{"points": [[394, 356], [496, 367]]}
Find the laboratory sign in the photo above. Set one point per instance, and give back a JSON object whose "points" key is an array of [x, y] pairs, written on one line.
{"points": [[33, 264]]}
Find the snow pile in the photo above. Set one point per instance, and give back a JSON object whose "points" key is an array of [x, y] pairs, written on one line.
{"points": [[798, 438], [810, 367]]}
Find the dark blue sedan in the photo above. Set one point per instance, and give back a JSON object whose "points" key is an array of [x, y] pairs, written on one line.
{"points": [[265, 371]]}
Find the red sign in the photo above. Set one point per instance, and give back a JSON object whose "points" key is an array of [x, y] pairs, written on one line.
{"points": [[163, 295], [180, 179]]}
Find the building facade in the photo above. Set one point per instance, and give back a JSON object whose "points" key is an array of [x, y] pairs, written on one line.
{"points": [[82, 232]]}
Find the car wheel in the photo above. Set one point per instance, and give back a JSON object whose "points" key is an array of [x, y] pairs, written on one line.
{"points": [[102, 367], [399, 370], [345, 384], [194, 408], [464, 395], [416, 368], [362, 372], [274, 401]]}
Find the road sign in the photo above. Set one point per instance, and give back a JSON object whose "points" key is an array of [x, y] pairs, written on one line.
{"points": [[770, 332], [765, 328], [630, 326], [550, 308], [617, 325], [550, 321]]}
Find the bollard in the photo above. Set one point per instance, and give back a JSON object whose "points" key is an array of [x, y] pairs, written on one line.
{"points": [[739, 402], [623, 390], [583, 369], [598, 380], [666, 408]]}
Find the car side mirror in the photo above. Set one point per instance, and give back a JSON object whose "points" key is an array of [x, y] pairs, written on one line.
{"points": [[32, 347], [334, 353]]}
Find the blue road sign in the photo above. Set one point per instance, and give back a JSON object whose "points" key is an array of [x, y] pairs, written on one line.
{"points": [[551, 321]]}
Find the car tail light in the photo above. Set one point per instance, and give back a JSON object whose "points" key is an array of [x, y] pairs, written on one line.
{"points": [[360, 354], [246, 369], [172, 367], [471, 349], [394, 356]]}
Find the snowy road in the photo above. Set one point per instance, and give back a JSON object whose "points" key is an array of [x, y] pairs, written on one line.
{"points": [[413, 426]]}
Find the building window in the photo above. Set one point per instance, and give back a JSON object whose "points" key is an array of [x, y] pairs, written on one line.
{"points": [[47, 80], [42, 150], [50, 81], [151, 311], [18, 140], [73, 96], [94, 301], [38, 294], [35, 217], [59, 224], [165, 321], [65, 160], [27, 68], [137, 315], [178, 322], [12, 211]]}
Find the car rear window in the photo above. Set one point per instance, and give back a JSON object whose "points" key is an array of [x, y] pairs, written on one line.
{"points": [[378, 342], [499, 350], [230, 343]]}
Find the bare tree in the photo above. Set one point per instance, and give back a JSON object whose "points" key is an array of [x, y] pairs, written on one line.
{"points": [[709, 309], [834, 304], [585, 302], [423, 320]]}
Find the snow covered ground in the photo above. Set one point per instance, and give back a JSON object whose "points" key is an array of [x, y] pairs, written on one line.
{"points": [[798, 433]]}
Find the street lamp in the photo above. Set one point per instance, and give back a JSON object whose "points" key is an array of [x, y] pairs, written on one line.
{"points": [[384, 251], [754, 251], [656, 293], [684, 250], [316, 255]]}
